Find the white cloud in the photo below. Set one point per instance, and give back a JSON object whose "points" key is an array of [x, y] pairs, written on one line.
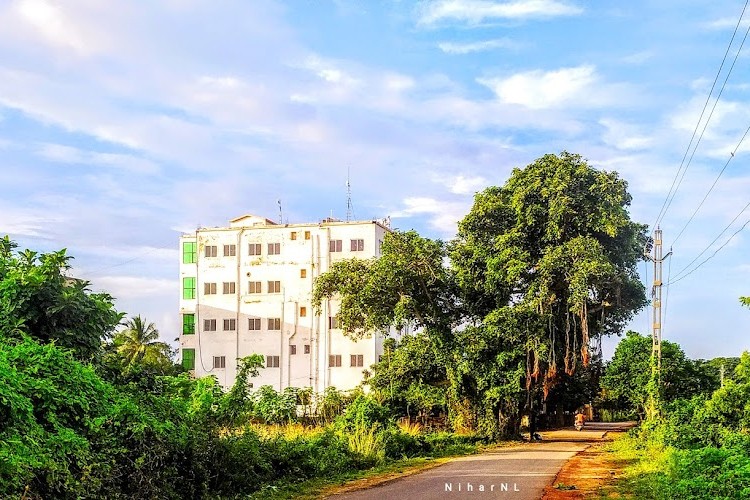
{"points": [[66, 154], [638, 57], [25, 225], [58, 27], [129, 287], [546, 89], [726, 23], [477, 11], [444, 215], [329, 71], [481, 46], [461, 184], [624, 136]]}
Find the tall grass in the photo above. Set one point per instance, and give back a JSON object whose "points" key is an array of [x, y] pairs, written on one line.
{"points": [[289, 431], [367, 442], [413, 429]]}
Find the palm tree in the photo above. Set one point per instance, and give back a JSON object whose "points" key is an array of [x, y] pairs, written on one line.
{"points": [[139, 343]]}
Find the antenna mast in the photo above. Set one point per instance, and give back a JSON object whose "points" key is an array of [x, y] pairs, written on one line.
{"points": [[349, 206], [281, 214]]}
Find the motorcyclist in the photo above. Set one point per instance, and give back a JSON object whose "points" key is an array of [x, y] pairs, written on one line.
{"points": [[580, 419]]}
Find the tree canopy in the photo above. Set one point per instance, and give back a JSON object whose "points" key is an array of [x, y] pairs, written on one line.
{"points": [[625, 382], [542, 267], [139, 343], [39, 300]]}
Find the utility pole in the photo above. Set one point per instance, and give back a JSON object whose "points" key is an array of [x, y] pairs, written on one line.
{"points": [[658, 260]]}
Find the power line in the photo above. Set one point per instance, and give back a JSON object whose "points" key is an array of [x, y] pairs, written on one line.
{"points": [[713, 108], [106, 268], [666, 298], [731, 156], [681, 276], [673, 190]]}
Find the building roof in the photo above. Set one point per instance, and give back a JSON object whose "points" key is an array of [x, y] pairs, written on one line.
{"points": [[251, 220]]}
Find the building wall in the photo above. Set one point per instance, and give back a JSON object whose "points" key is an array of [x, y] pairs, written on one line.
{"points": [[304, 252]]}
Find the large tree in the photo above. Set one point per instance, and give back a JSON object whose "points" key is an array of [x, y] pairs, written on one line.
{"points": [[550, 259], [541, 268], [38, 299], [407, 285], [626, 378]]}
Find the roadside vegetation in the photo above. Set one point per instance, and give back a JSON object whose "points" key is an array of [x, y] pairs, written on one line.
{"points": [[90, 411], [697, 444], [508, 317]]}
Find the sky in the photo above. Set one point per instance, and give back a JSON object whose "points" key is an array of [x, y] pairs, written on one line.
{"points": [[124, 124]]}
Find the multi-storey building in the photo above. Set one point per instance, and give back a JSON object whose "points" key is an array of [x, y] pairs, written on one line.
{"points": [[247, 289]]}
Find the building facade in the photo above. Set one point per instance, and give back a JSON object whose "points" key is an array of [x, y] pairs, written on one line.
{"points": [[247, 289]]}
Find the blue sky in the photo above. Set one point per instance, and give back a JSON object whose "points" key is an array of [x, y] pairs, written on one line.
{"points": [[123, 124]]}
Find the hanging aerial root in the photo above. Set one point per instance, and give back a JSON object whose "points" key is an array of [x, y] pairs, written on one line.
{"points": [[528, 370], [537, 371], [550, 380], [585, 335]]}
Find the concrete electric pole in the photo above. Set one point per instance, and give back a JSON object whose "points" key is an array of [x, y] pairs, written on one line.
{"points": [[657, 258]]}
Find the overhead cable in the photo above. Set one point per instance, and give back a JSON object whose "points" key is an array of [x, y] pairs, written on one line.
{"points": [[673, 190]]}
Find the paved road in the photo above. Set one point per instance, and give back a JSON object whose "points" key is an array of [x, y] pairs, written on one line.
{"points": [[518, 473]]}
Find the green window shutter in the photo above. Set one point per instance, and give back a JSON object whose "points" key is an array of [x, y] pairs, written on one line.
{"points": [[188, 359], [188, 324], [188, 252], [188, 288]]}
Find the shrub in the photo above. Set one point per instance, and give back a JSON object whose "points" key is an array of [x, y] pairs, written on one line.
{"points": [[275, 408], [364, 411]]}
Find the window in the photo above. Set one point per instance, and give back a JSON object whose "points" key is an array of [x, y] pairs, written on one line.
{"points": [[188, 324], [211, 251], [230, 325], [209, 288], [274, 323], [292, 350], [188, 252], [253, 249], [307, 349], [188, 359], [274, 287], [333, 322], [334, 245], [209, 325], [334, 360], [253, 287], [188, 288], [357, 360], [293, 235], [302, 312], [230, 250], [307, 235], [228, 287], [272, 361], [253, 324], [220, 361], [274, 248], [358, 245], [303, 273]]}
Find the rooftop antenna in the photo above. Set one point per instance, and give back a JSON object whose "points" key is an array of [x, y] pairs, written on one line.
{"points": [[281, 214], [349, 206]]}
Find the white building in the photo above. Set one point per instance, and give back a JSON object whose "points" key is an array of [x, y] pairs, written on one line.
{"points": [[247, 288]]}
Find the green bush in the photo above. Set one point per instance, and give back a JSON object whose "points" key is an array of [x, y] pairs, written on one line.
{"points": [[364, 411], [399, 444], [273, 407]]}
